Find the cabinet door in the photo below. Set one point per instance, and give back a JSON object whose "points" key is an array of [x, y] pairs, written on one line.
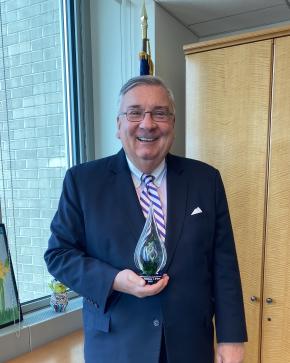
{"points": [[276, 314], [227, 117]]}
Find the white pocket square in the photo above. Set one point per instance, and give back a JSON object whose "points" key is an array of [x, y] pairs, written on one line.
{"points": [[197, 210]]}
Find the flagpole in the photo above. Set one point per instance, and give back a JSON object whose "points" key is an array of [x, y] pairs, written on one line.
{"points": [[146, 64]]}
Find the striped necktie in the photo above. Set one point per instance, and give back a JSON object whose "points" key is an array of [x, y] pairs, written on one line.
{"points": [[150, 196]]}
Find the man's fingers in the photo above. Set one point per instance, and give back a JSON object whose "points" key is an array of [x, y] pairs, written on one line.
{"points": [[230, 353], [129, 282], [135, 279], [150, 290]]}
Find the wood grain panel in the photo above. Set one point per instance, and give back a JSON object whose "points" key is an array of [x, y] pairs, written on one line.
{"points": [[276, 316], [68, 349], [227, 116]]}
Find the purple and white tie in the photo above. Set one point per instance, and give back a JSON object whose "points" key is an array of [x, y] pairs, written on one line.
{"points": [[150, 196]]}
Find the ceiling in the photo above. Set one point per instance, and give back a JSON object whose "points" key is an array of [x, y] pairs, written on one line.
{"points": [[207, 18]]}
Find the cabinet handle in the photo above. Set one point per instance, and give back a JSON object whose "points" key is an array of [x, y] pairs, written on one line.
{"points": [[269, 300], [254, 298]]}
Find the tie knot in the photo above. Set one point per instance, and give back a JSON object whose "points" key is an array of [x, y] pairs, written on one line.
{"points": [[146, 179]]}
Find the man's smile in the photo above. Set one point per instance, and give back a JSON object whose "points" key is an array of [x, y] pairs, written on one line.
{"points": [[147, 139]]}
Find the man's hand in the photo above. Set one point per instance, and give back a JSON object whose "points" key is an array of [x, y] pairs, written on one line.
{"points": [[230, 353], [130, 283]]}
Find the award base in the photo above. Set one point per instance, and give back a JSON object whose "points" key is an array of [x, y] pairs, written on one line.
{"points": [[151, 279]]}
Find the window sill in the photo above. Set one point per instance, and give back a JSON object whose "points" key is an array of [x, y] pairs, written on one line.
{"points": [[39, 327]]}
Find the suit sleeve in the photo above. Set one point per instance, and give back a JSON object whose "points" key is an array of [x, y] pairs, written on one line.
{"points": [[228, 298], [66, 256]]}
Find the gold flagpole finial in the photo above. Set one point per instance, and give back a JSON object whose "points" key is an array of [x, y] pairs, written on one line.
{"points": [[144, 23], [146, 64]]}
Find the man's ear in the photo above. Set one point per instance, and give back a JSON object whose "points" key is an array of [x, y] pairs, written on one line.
{"points": [[118, 128]]}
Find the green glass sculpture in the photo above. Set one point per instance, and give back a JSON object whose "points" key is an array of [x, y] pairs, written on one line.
{"points": [[150, 253]]}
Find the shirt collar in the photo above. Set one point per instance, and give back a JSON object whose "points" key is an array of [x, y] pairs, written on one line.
{"points": [[158, 173]]}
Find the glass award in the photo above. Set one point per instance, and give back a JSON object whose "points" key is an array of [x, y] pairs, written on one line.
{"points": [[150, 253]]}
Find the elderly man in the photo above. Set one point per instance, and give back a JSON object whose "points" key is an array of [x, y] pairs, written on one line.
{"points": [[97, 226]]}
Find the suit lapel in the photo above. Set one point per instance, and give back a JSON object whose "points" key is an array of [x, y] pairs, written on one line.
{"points": [[176, 205], [126, 196]]}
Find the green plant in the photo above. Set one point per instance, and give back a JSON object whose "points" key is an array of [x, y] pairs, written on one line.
{"points": [[57, 287], [4, 269]]}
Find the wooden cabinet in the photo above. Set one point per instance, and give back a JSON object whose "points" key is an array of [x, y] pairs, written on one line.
{"points": [[238, 119], [276, 315]]}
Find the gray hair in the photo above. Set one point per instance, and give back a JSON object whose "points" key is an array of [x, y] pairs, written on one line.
{"points": [[147, 81]]}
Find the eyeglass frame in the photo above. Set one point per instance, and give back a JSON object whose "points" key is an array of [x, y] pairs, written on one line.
{"points": [[169, 115]]}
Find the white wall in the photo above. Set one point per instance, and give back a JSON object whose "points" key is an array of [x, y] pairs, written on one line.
{"points": [[170, 36], [106, 69]]}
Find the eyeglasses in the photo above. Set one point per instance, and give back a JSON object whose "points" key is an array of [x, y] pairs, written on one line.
{"points": [[157, 115]]}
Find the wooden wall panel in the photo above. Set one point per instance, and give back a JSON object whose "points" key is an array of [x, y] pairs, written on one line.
{"points": [[276, 315], [227, 117]]}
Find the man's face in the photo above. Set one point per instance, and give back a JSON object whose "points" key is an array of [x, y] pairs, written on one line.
{"points": [[146, 143]]}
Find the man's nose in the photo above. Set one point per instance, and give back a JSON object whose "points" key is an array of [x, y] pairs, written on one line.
{"points": [[148, 121]]}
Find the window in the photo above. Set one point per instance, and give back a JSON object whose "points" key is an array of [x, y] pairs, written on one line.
{"points": [[33, 137]]}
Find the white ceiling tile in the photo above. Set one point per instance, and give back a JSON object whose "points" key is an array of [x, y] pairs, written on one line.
{"points": [[242, 21], [190, 12]]}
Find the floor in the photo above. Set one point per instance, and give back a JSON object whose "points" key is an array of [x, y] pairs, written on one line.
{"points": [[68, 349]]}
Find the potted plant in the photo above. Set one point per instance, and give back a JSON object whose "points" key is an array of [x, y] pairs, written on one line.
{"points": [[59, 297]]}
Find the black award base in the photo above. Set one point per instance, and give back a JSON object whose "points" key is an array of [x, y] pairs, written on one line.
{"points": [[151, 280]]}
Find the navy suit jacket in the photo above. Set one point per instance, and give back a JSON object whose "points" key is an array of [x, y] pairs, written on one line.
{"points": [[94, 235]]}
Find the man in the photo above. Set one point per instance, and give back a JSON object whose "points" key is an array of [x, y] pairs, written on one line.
{"points": [[97, 226]]}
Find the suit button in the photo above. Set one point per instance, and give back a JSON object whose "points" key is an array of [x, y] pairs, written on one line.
{"points": [[156, 322]]}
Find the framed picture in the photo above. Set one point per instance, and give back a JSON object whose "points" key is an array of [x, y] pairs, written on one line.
{"points": [[10, 309]]}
